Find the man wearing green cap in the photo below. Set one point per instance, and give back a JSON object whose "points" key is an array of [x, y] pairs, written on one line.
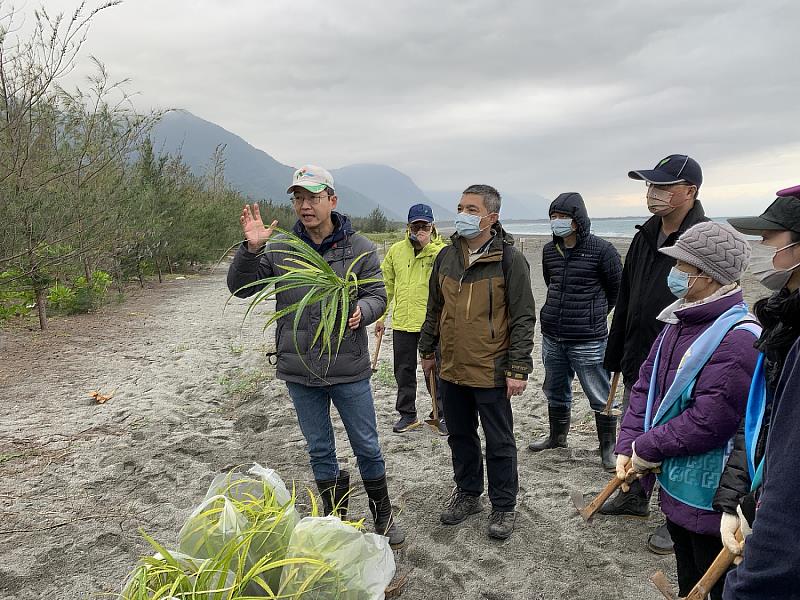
{"points": [[314, 379]]}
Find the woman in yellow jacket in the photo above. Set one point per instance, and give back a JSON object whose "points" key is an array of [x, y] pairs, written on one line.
{"points": [[406, 270]]}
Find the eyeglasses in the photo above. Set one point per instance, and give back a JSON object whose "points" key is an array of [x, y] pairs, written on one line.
{"points": [[312, 200], [415, 227], [666, 186]]}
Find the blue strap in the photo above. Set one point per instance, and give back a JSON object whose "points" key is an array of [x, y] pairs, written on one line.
{"points": [[753, 420], [690, 366]]}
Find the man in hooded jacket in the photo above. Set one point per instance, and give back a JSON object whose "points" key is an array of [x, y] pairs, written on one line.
{"points": [[582, 273]]}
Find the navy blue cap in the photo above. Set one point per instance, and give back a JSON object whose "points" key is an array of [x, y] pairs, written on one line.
{"points": [[675, 168], [420, 212]]}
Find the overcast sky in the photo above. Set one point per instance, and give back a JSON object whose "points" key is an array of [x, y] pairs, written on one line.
{"points": [[528, 96]]}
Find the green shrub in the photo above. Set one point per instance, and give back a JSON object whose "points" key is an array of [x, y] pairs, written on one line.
{"points": [[61, 297], [14, 301], [88, 296]]}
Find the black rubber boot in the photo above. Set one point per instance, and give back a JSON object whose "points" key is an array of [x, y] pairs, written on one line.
{"points": [[335, 494], [559, 428], [634, 502], [381, 508], [607, 436]]}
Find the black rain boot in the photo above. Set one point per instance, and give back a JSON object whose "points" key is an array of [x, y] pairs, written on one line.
{"points": [[381, 508], [634, 502], [607, 436], [335, 494], [559, 428]]}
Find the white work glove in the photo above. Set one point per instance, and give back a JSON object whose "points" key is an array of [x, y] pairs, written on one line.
{"points": [[641, 465], [743, 524], [728, 527], [622, 468]]}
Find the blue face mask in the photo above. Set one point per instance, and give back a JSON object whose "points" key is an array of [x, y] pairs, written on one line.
{"points": [[468, 226], [413, 237], [678, 282], [561, 227]]}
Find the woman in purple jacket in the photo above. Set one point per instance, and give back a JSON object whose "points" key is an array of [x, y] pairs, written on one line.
{"points": [[692, 392]]}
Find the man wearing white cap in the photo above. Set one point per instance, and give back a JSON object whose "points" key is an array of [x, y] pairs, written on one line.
{"points": [[315, 380]]}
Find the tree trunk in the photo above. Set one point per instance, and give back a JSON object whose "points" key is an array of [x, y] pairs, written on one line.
{"points": [[87, 271], [158, 268], [169, 265], [118, 268], [41, 305], [139, 273]]}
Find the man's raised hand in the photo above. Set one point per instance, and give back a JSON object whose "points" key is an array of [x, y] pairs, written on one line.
{"points": [[253, 228]]}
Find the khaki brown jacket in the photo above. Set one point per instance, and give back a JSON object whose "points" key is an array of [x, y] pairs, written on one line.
{"points": [[482, 315]]}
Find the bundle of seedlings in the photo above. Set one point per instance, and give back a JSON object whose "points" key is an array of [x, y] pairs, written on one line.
{"points": [[175, 576]]}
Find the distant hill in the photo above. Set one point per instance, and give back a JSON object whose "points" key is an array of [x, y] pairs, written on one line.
{"points": [[248, 169], [389, 187], [361, 188]]}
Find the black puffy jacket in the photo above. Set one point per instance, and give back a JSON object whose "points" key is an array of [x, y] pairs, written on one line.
{"points": [[582, 282], [780, 316], [643, 295]]}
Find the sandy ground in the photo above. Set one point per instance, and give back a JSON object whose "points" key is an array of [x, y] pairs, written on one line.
{"points": [[193, 395]]}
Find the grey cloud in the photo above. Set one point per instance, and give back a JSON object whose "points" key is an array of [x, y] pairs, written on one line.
{"points": [[531, 96]]}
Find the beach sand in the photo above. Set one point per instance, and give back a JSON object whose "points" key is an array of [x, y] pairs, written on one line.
{"points": [[193, 395]]}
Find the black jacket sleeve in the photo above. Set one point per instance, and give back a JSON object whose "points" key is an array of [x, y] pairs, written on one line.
{"points": [[615, 347], [521, 315], [735, 481], [246, 269], [611, 274]]}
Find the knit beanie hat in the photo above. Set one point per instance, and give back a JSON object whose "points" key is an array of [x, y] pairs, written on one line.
{"points": [[717, 249]]}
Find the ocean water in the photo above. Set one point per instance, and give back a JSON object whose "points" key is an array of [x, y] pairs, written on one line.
{"points": [[611, 228]]}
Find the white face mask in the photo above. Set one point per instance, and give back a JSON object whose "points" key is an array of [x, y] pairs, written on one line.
{"points": [[762, 265]]}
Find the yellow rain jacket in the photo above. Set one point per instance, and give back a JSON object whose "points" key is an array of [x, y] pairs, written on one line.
{"points": [[406, 277]]}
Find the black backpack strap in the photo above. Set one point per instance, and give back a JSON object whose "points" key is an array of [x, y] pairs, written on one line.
{"points": [[507, 258]]}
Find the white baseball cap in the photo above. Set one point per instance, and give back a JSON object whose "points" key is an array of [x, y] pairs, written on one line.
{"points": [[311, 177]]}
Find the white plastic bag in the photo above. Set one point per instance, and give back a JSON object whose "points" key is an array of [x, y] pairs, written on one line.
{"points": [[210, 527], [239, 486], [359, 565], [254, 504]]}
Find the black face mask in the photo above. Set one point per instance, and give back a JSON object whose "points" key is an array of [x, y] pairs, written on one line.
{"points": [[780, 316]]}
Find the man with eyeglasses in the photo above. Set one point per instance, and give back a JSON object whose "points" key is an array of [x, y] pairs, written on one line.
{"points": [[406, 271], [481, 315], [672, 189], [315, 381]]}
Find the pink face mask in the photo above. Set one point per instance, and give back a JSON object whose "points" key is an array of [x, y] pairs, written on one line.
{"points": [[659, 201]]}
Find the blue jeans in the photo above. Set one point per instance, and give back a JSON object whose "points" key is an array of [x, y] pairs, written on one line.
{"points": [[563, 360], [357, 411]]}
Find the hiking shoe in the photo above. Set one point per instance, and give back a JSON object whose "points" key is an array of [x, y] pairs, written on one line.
{"points": [[405, 423], [634, 503], [501, 524], [459, 506], [442, 429], [660, 541]]}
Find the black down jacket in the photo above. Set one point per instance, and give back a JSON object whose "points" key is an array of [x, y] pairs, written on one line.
{"points": [[643, 295], [582, 282]]}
